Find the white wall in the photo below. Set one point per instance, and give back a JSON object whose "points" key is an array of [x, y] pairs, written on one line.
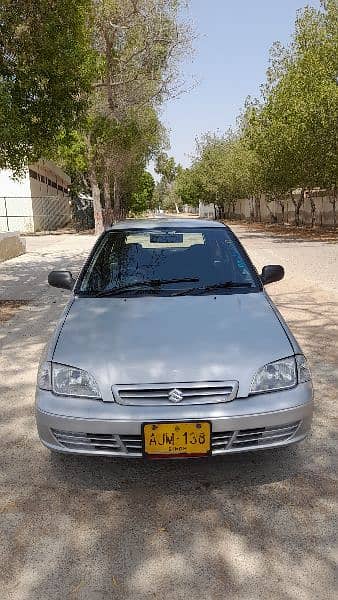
{"points": [[51, 212], [206, 211], [14, 187], [48, 173], [19, 214], [15, 197], [39, 200], [50, 200]]}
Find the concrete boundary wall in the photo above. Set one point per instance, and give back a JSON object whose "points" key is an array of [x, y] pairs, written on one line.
{"points": [[248, 209], [259, 210], [34, 214], [39, 200], [206, 211], [11, 245]]}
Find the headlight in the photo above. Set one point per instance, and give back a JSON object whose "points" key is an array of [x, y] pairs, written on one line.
{"points": [[278, 375], [70, 381]]}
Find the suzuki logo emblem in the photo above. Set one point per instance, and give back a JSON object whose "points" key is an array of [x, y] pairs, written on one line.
{"points": [[175, 396]]}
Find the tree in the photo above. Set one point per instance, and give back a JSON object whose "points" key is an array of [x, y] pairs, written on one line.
{"points": [[71, 155], [223, 171], [165, 193], [91, 73], [139, 43], [46, 66], [294, 132], [285, 144], [166, 167], [187, 187], [142, 197]]}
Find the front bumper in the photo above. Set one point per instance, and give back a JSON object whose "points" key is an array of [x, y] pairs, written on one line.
{"points": [[91, 427]]}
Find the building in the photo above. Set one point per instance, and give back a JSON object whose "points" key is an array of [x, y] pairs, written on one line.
{"points": [[38, 201]]}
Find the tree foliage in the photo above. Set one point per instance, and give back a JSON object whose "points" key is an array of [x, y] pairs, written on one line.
{"points": [[166, 167], [287, 140], [82, 81], [223, 170], [165, 194], [139, 44], [142, 199], [46, 70]]}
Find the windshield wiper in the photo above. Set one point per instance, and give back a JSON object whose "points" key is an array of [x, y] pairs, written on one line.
{"points": [[214, 287], [139, 285]]}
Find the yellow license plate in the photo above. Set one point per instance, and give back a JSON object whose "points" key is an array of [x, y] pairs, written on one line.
{"points": [[177, 439]]}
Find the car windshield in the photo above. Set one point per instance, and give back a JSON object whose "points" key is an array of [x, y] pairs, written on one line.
{"points": [[168, 262]]}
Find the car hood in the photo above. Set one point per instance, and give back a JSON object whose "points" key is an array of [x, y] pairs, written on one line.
{"points": [[172, 339]]}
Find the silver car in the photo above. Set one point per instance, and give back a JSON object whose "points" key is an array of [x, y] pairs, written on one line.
{"points": [[170, 347]]}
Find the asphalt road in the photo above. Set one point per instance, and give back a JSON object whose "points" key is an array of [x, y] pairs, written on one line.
{"points": [[260, 525]]}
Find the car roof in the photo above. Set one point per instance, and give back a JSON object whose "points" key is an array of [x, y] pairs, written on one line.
{"points": [[166, 223]]}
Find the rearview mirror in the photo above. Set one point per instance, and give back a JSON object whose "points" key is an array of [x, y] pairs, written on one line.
{"points": [[61, 279], [271, 273]]}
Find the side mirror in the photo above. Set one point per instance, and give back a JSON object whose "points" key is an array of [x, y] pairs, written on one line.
{"points": [[61, 279], [272, 273]]}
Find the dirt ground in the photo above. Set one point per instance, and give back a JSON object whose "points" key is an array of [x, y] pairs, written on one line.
{"points": [[8, 308], [260, 525], [305, 232]]}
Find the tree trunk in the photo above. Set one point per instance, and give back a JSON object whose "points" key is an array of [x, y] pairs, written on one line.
{"points": [[273, 218], [252, 208], [297, 219], [108, 213], [98, 213], [313, 210], [298, 204], [257, 201], [280, 201], [282, 205], [334, 213], [333, 201], [117, 203]]}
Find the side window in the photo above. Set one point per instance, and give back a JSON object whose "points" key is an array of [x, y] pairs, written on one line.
{"points": [[94, 275], [114, 263]]}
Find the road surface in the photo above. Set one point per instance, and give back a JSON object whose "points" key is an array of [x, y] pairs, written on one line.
{"points": [[260, 525]]}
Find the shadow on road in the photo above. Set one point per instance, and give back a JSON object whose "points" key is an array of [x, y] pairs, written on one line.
{"points": [[278, 234], [105, 473], [257, 525], [27, 279]]}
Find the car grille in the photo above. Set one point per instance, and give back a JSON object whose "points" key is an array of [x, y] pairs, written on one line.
{"points": [[209, 392], [252, 438], [131, 445], [100, 442]]}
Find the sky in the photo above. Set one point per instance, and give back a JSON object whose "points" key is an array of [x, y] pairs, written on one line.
{"points": [[230, 61]]}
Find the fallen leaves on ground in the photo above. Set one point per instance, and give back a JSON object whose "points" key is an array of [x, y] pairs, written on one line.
{"points": [[8, 308]]}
